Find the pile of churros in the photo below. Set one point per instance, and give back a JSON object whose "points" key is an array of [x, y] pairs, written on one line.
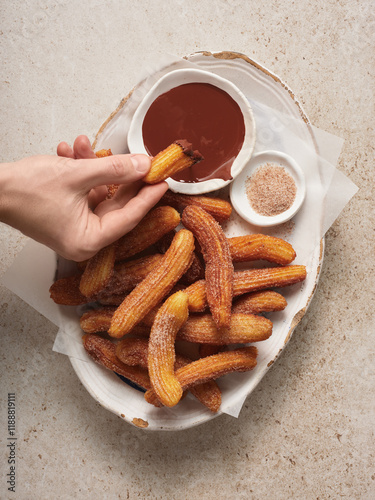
{"points": [[172, 280]]}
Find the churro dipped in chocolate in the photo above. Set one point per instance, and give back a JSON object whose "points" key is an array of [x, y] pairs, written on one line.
{"points": [[178, 156]]}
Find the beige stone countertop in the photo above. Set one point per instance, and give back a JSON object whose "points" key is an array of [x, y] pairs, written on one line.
{"points": [[307, 431]]}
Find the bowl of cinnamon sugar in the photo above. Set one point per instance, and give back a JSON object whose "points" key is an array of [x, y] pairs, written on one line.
{"points": [[270, 190]]}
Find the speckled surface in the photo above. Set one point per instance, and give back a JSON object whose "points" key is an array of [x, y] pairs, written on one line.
{"points": [[307, 431]]}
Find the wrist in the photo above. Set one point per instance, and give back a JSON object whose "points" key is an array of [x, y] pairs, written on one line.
{"points": [[6, 191]]}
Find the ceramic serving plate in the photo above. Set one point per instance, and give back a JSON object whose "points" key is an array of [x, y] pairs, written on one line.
{"points": [[265, 89]]}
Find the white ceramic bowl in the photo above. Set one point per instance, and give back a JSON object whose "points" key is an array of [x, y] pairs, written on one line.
{"points": [[180, 77], [239, 198]]}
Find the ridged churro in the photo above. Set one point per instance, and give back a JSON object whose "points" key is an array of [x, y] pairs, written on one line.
{"points": [[219, 266], [161, 348], [155, 286], [176, 157], [213, 367], [218, 208], [261, 247], [127, 275], [98, 271], [243, 329], [103, 351], [97, 320], [258, 302], [158, 222], [65, 291], [134, 352], [250, 280], [195, 271]]}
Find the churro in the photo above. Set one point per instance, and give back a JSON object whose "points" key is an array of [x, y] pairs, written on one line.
{"points": [[261, 247], [243, 329], [127, 275], [213, 367], [176, 157], [155, 286], [161, 351], [65, 291], [98, 271], [258, 302], [250, 280], [103, 351], [195, 271], [152, 227], [134, 352], [218, 208], [219, 266], [97, 320]]}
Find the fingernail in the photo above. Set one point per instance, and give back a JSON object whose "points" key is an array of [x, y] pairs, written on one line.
{"points": [[141, 163]]}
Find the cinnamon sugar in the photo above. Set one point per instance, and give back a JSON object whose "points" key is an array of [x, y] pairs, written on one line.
{"points": [[271, 190]]}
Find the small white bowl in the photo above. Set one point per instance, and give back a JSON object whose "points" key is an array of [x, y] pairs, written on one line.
{"points": [[239, 198], [180, 77]]}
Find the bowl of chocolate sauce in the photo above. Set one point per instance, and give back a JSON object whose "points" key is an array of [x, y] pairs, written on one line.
{"points": [[208, 111]]}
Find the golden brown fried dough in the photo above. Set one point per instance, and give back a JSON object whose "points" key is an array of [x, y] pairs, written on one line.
{"points": [[258, 302], [261, 247], [213, 367], [243, 329], [155, 286], [103, 352], [161, 351], [250, 280], [65, 291], [218, 208], [195, 271], [98, 271], [219, 266], [97, 320], [152, 227], [174, 158], [134, 352], [127, 275]]}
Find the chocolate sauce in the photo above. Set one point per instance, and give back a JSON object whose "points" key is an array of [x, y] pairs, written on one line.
{"points": [[204, 115]]}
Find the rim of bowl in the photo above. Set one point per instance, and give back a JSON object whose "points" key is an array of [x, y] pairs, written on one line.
{"points": [[190, 75]]}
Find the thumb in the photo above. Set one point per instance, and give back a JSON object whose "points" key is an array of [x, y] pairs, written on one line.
{"points": [[116, 169]]}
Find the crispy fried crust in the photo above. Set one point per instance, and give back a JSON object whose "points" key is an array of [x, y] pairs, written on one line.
{"points": [[65, 291], [261, 247], [218, 208], [127, 275], [97, 320], [248, 281], [174, 158], [152, 227], [134, 352], [212, 367], [243, 329], [155, 286], [161, 351], [258, 302], [195, 271], [103, 352], [219, 266], [98, 271], [273, 277]]}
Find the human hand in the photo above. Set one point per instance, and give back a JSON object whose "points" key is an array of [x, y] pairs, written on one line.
{"points": [[60, 201]]}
